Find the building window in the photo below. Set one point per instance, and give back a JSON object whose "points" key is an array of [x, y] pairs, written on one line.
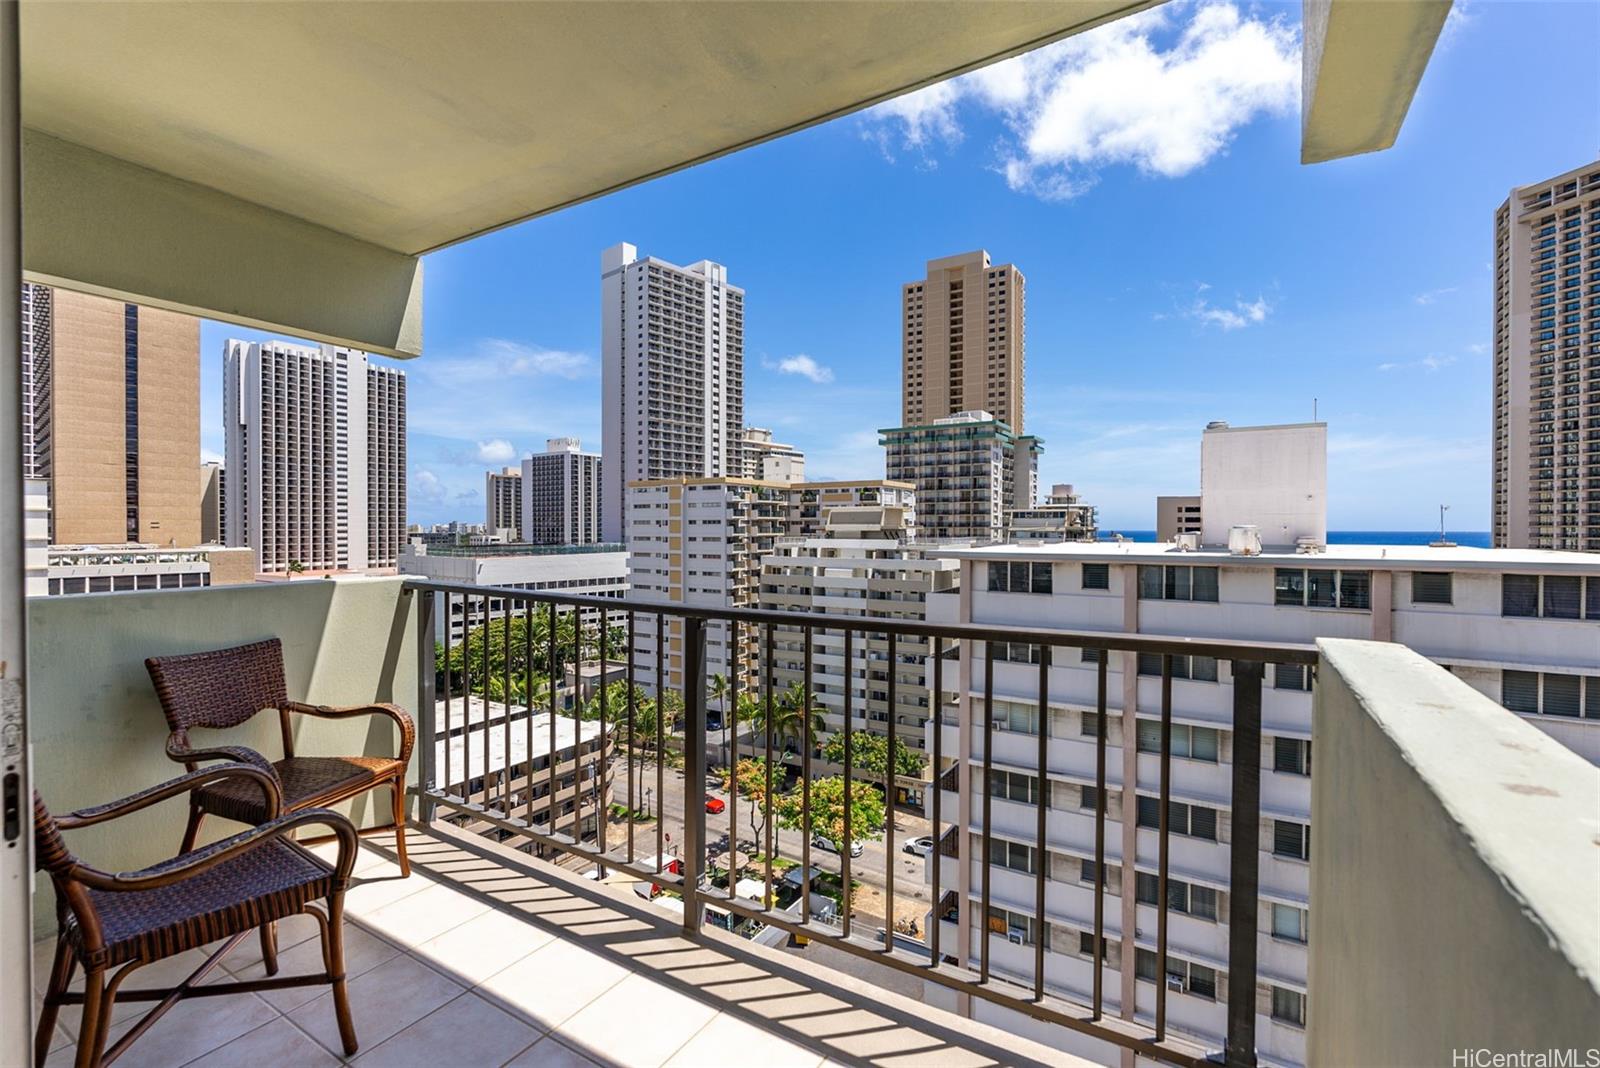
{"points": [[1013, 855], [1188, 898], [1288, 1006], [1014, 786], [1195, 743], [1550, 596], [1174, 582], [1291, 677], [1019, 577], [1194, 821], [1086, 945], [1289, 923], [1550, 693], [1198, 668], [1183, 976], [1013, 925], [1097, 576], [1292, 756], [1432, 587], [1321, 588], [1093, 656], [1290, 839]]}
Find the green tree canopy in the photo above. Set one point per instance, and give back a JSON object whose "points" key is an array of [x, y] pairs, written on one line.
{"points": [[869, 754], [827, 811]]}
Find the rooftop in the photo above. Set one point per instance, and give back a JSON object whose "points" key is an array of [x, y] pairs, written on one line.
{"points": [[1377, 557]]}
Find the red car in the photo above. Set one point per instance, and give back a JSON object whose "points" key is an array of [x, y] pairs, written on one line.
{"points": [[715, 804]]}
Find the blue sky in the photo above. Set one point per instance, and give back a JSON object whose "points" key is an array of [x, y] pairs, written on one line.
{"points": [[1181, 265]]}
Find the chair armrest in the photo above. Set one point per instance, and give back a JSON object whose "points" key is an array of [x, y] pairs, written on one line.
{"points": [[194, 780], [187, 865], [402, 719], [177, 749]]}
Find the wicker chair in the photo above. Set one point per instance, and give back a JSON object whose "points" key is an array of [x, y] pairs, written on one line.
{"points": [[225, 687], [113, 924]]}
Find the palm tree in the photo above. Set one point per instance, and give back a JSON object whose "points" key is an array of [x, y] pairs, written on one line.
{"points": [[719, 693], [295, 568], [788, 716]]}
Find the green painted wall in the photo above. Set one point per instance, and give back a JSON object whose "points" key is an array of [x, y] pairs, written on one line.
{"points": [[98, 730]]}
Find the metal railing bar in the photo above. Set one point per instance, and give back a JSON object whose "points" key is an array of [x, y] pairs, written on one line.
{"points": [[987, 791], [527, 701], [1266, 652], [805, 782], [767, 797], [633, 741], [889, 778], [600, 768], [422, 711], [554, 666], [934, 856], [661, 740], [1100, 838], [1164, 833], [1041, 857], [849, 758], [505, 692]]}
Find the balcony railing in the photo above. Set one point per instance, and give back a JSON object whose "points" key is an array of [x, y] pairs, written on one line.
{"points": [[682, 631]]}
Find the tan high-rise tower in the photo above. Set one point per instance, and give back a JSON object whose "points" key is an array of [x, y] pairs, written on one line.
{"points": [[117, 420], [961, 341], [1546, 490]]}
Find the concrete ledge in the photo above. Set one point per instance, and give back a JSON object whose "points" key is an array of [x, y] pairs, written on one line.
{"points": [[1455, 870]]}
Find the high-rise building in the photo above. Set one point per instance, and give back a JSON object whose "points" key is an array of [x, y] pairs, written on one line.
{"points": [[561, 501], [502, 500], [672, 378], [213, 483], [1177, 515], [1546, 490], [969, 470], [111, 417], [1512, 624], [771, 461], [316, 456], [962, 341]]}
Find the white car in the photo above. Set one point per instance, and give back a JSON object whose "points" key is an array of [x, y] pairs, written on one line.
{"points": [[920, 846], [820, 842]]}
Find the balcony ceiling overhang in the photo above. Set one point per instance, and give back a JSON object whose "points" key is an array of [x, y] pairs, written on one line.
{"points": [[285, 165]]}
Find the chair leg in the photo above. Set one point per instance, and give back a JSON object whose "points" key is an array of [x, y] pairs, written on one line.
{"points": [[269, 947], [333, 947], [399, 791], [192, 831], [92, 1028], [60, 978]]}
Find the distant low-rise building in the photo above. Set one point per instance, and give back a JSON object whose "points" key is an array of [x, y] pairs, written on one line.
{"points": [[1063, 516], [121, 568], [591, 570], [561, 501], [1177, 515], [213, 502], [771, 461], [502, 500]]}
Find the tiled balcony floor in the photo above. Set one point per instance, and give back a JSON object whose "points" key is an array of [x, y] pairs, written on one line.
{"points": [[485, 957]]}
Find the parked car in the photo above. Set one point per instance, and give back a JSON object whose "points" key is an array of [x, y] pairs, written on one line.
{"points": [[920, 846], [820, 842], [715, 805]]}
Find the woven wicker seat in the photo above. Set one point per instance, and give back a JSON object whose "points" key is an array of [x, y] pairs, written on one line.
{"points": [[223, 688], [114, 924]]}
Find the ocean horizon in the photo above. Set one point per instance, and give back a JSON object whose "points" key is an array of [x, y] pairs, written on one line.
{"points": [[1476, 539]]}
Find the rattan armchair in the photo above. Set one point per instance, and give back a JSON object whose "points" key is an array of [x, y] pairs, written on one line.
{"points": [[112, 924], [223, 688]]}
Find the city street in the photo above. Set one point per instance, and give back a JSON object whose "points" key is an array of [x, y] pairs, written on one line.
{"points": [[911, 891]]}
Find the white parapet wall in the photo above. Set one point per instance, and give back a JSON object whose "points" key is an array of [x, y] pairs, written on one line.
{"points": [[1455, 872]]}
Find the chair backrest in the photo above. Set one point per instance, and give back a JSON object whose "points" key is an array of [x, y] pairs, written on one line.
{"points": [[221, 688]]}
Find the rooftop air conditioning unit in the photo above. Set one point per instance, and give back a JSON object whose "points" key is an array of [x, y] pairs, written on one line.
{"points": [[1187, 542], [1307, 543], [1244, 540]]}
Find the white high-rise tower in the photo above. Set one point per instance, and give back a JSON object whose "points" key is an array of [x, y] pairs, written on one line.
{"points": [[672, 341], [316, 456]]}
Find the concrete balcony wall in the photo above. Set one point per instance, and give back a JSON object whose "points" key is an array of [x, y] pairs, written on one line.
{"points": [[1455, 878], [97, 727]]}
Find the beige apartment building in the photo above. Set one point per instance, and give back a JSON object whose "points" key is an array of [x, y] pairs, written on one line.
{"points": [[771, 460], [962, 341], [502, 501], [1546, 489], [859, 566], [113, 420], [1177, 515]]}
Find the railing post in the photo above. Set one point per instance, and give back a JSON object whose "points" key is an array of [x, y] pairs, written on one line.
{"points": [[1244, 864], [694, 768], [427, 729]]}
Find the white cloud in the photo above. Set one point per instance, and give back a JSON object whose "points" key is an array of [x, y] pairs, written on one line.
{"points": [[426, 487], [1427, 363], [1242, 314], [1433, 294], [211, 456], [805, 367], [1477, 348], [499, 358], [496, 451], [1140, 91]]}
